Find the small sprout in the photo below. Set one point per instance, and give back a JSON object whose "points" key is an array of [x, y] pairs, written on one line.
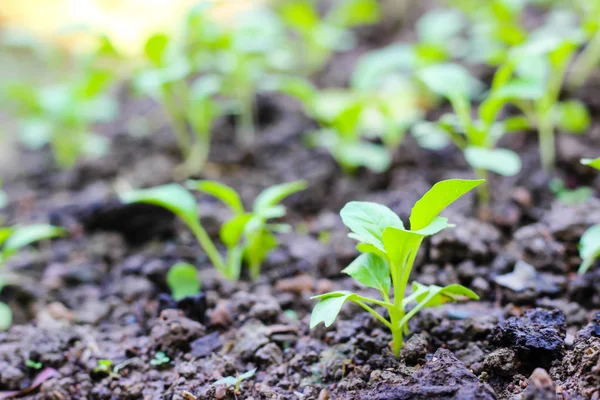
{"points": [[183, 281], [235, 381], [103, 367], [5, 316], [33, 364], [589, 248], [388, 253], [247, 235], [570, 196], [160, 358]]}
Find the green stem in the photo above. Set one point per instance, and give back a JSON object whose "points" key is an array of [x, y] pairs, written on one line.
{"points": [[177, 121], [208, 246], [585, 63], [374, 313], [385, 304], [245, 129], [483, 192], [546, 142]]}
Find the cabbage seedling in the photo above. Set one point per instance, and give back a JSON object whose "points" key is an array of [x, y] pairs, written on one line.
{"points": [[477, 138], [589, 244], [247, 234], [183, 281], [322, 36], [235, 381], [388, 252], [12, 239]]}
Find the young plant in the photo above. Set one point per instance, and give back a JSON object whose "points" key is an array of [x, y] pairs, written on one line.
{"points": [[388, 252], [159, 359], [183, 281], [320, 36], [347, 119], [589, 244], [476, 137], [192, 109], [589, 58], [247, 235], [235, 381], [12, 239], [532, 79]]}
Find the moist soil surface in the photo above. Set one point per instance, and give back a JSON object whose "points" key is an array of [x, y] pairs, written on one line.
{"points": [[100, 292]]}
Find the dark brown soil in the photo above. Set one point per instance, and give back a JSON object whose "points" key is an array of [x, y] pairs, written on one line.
{"points": [[100, 292]]}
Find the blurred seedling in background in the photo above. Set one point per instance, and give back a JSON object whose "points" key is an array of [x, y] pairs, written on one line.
{"points": [[388, 252], [160, 359], [475, 137], [247, 235], [12, 239], [321, 36], [589, 58], [183, 281], [63, 113], [589, 244], [235, 381]]}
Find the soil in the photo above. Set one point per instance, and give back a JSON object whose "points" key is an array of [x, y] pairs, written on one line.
{"points": [[100, 293]]}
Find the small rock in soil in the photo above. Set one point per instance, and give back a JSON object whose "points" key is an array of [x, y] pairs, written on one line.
{"points": [[443, 377], [269, 354], [581, 368], [471, 355], [537, 337], [206, 345], [249, 338], [173, 330], [11, 377], [541, 386], [503, 362], [415, 349]]}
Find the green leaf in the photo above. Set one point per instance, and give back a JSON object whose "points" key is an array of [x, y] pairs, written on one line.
{"points": [[222, 192], [25, 235], [589, 248], [351, 13], [362, 154], [5, 316], [155, 48], [430, 136], [328, 307], [300, 15], [369, 221], [5, 233], [300, 89], [368, 248], [399, 244], [449, 80], [259, 244], [517, 123], [370, 270], [440, 196], [440, 26], [572, 116], [594, 163], [520, 89], [183, 281], [501, 161], [173, 197], [235, 256], [437, 295], [232, 230], [372, 69], [275, 194]]}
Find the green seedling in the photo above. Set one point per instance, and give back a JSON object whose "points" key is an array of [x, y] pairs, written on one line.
{"points": [[320, 36], [594, 163], [183, 281], [388, 252], [192, 109], [476, 137], [247, 235], [348, 119], [159, 359], [589, 244], [103, 367], [63, 114], [235, 381], [570, 196], [532, 79], [33, 364], [589, 58], [12, 239]]}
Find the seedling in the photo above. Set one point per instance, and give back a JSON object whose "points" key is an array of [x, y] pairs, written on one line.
{"points": [[235, 381], [388, 252], [589, 58], [247, 235], [103, 367], [322, 36], [589, 244], [193, 109], [477, 138], [570, 196], [159, 359], [12, 239], [183, 281], [63, 114], [33, 364]]}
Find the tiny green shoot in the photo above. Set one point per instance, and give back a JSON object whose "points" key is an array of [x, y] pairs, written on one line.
{"points": [[159, 359], [183, 281], [235, 381], [589, 244], [33, 364], [388, 252]]}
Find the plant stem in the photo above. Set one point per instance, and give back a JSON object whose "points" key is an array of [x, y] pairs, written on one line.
{"points": [[245, 128], [374, 313], [585, 63], [483, 192], [208, 246], [177, 121], [546, 142]]}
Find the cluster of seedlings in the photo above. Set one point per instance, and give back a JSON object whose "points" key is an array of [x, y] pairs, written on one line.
{"points": [[206, 72]]}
